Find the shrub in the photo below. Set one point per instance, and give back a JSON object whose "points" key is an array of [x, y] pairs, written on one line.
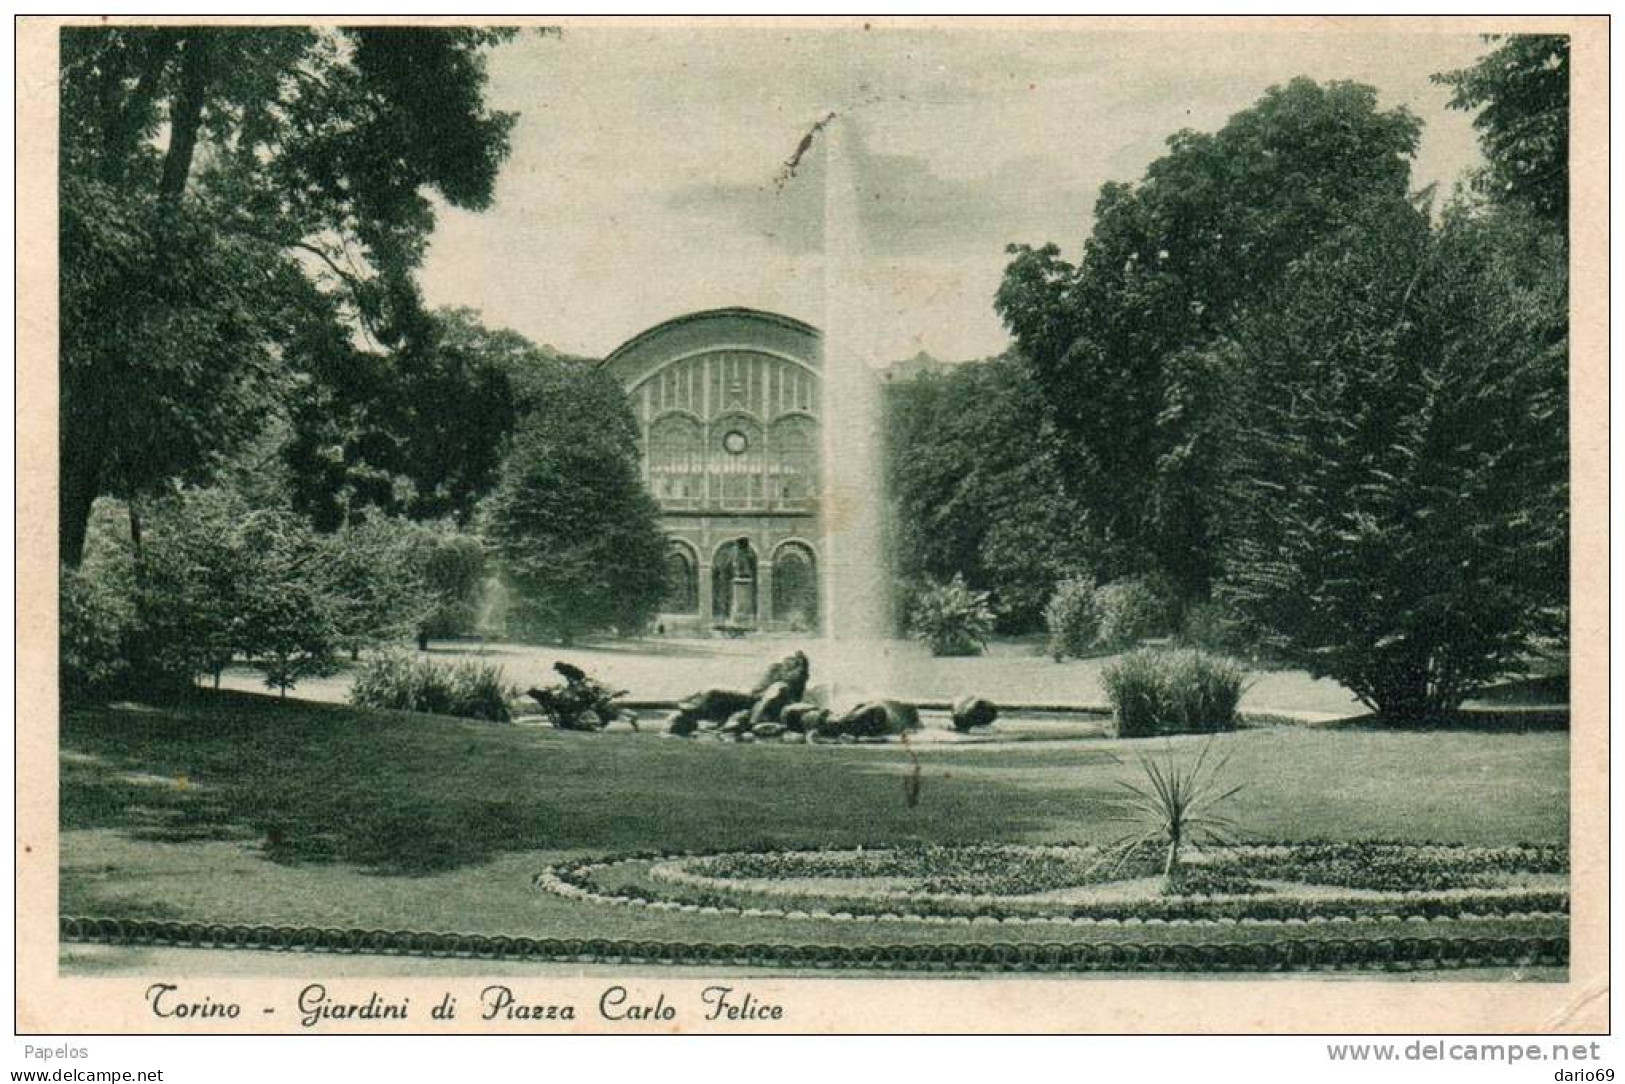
{"points": [[94, 621], [1134, 685], [395, 681], [478, 692], [1073, 618], [952, 619], [1203, 691], [1159, 692], [1130, 611]]}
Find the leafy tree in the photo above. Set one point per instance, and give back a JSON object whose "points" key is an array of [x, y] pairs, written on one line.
{"points": [[195, 571], [418, 431], [1123, 345], [575, 532], [976, 477], [1398, 517], [225, 190], [375, 580], [287, 627], [1521, 93], [451, 564]]}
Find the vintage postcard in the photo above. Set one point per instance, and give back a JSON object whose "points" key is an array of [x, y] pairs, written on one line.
{"points": [[812, 525]]}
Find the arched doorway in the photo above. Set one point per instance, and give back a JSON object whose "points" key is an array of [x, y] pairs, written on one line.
{"points": [[733, 584], [682, 581], [795, 587]]}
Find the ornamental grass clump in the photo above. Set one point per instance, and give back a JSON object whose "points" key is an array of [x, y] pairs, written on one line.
{"points": [[1161, 691], [395, 681]]}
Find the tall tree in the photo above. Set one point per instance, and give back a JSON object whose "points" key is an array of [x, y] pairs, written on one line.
{"points": [[224, 189], [575, 532], [1398, 518], [975, 473], [1521, 93], [1123, 343]]}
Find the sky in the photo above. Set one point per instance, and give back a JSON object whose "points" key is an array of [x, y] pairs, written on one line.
{"points": [[646, 178]]}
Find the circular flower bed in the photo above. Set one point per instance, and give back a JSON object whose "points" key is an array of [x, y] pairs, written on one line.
{"points": [[1087, 884]]}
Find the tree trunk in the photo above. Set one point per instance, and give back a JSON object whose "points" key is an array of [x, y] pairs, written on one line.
{"points": [[123, 120], [80, 485], [185, 120], [423, 641]]}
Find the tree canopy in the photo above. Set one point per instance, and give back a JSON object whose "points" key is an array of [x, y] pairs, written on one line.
{"points": [[1520, 91], [237, 203], [974, 472], [1120, 342], [1398, 514], [574, 530]]}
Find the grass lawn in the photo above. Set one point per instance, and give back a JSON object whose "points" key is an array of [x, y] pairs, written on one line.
{"points": [[238, 808]]}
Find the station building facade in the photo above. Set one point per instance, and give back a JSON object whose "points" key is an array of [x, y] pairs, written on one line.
{"points": [[728, 406]]}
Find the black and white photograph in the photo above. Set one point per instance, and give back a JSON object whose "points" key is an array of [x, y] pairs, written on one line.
{"points": [[617, 520]]}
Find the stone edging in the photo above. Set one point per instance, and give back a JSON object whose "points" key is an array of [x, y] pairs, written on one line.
{"points": [[565, 880], [1298, 954]]}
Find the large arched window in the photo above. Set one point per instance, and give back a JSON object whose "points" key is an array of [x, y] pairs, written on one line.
{"points": [[682, 582], [795, 458], [795, 587], [676, 458]]}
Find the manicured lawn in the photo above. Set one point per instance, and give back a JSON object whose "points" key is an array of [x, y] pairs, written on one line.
{"points": [[239, 808]]}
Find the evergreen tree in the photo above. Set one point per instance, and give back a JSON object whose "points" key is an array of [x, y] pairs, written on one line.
{"points": [[1398, 519], [575, 531]]}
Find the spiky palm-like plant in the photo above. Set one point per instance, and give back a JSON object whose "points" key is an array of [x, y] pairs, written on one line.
{"points": [[1176, 806]]}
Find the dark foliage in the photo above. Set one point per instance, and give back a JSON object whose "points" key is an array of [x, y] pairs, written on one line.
{"points": [[1520, 91], [1399, 509], [575, 532], [1122, 344], [231, 198]]}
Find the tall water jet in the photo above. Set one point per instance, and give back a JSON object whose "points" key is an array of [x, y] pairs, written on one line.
{"points": [[857, 583]]}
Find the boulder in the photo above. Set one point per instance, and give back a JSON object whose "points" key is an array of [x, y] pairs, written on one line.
{"points": [[716, 704], [771, 701], [793, 671], [737, 722], [879, 718], [709, 706], [794, 716], [970, 712], [768, 730]]}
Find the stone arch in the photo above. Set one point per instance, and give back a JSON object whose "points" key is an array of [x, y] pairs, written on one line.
{"points": [[734, 559], [682, 579], [795, 585]]}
